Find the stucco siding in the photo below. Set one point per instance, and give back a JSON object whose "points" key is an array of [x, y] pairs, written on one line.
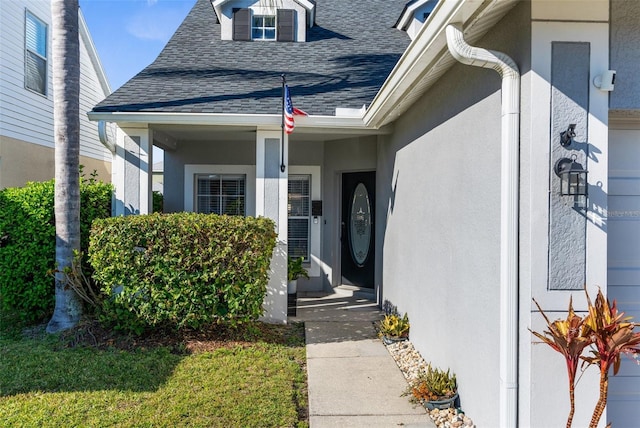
{"points": [[439, 198], [21, 161], [625, 54]]}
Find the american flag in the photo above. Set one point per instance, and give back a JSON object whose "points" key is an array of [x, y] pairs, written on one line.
{"points": [[290, 111]]}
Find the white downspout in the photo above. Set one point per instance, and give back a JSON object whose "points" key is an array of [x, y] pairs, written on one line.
{"points": [[105, 137], [508, 70]]}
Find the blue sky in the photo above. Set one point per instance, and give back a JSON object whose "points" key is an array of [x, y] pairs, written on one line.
{"points": [[129, 34]]}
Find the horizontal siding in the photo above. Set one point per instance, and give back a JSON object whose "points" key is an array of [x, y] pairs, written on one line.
{"points": [[91, 93], [623, 274], [26, 115]]}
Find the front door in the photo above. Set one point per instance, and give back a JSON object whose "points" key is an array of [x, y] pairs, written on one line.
{"points": [[357, 231]]}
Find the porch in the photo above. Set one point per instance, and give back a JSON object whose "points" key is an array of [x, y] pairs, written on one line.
{"points": [[306, 183]]}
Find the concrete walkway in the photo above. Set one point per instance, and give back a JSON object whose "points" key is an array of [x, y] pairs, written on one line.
{"points": [[353, 380]]}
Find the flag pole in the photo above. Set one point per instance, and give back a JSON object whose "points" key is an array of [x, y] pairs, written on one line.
{"points": [[282, 166]]}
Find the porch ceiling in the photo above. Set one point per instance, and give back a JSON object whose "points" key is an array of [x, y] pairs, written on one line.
{"points": [[203, 133]]}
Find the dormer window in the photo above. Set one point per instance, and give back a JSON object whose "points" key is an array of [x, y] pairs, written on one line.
{"points": [[265, 20], [414, 15], [251, 25], [263, 27]]}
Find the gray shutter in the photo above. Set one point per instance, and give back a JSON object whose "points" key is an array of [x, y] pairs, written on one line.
{"points": [[286, 25], [241, 24]]}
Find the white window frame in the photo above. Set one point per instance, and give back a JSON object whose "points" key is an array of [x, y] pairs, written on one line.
{"points": [[315, 235], [191, 171], [219, 178], [301, 177], [264, 28], [30, 16]]}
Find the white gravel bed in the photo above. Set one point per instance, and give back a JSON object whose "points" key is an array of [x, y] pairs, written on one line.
{"points": [[411, 364]]}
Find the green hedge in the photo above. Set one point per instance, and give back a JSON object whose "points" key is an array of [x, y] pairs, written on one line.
{"points": [[182, 270], [27, 243]]}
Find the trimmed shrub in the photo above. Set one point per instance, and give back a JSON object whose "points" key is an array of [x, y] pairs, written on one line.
{"points": [[182, 270], [27, 243]]}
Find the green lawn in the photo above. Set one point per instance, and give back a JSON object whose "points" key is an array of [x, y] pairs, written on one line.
{"points": [[259, 382]]}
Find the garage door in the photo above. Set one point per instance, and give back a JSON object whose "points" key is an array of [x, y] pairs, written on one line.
{"points": [[624, 264]]}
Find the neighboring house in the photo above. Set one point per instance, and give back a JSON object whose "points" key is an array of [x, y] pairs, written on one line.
{"points": [[26, 96], [158, 177], [441, 194]]}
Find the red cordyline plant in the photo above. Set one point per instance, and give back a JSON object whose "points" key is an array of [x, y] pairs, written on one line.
{"points": [[609, 333], [569, 338], [612, 335]]}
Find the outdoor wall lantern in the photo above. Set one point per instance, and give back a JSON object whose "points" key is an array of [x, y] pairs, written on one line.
{"points": [[573, 177]]}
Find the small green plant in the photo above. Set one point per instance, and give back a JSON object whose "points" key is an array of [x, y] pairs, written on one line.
{"points": [[395, 326], [433, 384], [295, 269]]}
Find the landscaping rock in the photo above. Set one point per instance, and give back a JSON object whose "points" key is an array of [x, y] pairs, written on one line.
{"points": [[411, 364]]}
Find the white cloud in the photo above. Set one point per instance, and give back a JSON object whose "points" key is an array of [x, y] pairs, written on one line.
{"points": [[151, 2]]}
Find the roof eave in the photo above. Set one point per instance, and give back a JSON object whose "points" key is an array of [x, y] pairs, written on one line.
{"points": [[225, 119], [427, 56], [85, 35], [407, 14]]}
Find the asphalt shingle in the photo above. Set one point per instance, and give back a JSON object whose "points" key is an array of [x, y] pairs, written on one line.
{"points": [[348, 55]]}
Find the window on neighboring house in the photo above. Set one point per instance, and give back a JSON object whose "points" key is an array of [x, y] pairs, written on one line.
{"points": [[263, 27], [35, 54], [299, 215], [220, 194]]}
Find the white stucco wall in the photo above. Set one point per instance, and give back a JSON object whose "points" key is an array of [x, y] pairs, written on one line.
{"points": [[440, 190]]}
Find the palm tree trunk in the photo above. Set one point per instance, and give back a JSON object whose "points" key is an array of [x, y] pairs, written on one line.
{"points": [[66, 117], [602, 400]]}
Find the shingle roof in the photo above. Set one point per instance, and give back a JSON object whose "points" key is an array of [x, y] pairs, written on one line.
{"points": [[348, 55]]}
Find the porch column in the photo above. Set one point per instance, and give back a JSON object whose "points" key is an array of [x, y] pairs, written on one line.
{"points": [[271, 202], [132, 172]]}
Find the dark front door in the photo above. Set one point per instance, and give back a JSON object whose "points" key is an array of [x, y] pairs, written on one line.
{"points": [[357, 232]]}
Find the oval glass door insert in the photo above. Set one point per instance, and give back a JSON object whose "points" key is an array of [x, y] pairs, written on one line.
{"points": [[360, 225]]}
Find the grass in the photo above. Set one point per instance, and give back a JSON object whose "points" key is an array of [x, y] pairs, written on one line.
{"points": [[257, 381]]}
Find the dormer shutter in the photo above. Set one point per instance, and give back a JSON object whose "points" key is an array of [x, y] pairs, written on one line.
{"points": [[286, 25], [241, 24]]}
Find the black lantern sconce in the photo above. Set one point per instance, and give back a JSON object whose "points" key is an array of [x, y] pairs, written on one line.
{"points": [[573, 177]]}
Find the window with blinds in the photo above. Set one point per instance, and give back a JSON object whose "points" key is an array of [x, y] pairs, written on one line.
{"points": [[220, 194], [299, 215], [35, 77]]}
